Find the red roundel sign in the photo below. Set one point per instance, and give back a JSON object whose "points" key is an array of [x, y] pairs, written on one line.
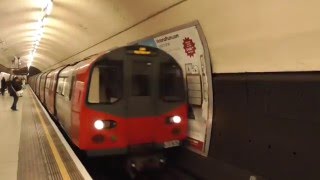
{"points": [[189, 46]]}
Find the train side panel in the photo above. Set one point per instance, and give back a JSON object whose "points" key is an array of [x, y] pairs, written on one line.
{"points": [[41, 88], [53, 92], [78, 118], [69, 89], [43, 82], [37, 91], [48, 84], [49, 96], [63, 98]]}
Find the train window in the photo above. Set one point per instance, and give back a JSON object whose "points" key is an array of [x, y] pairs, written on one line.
{"points": [[141, 72], [64, 87], [171, 82], [48, 83], [42, 83], [54, 84], [60, 87], [71, 87], [106, 83]]}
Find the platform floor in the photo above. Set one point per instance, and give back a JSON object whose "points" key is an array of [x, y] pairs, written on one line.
{"points": [[30, 145]]}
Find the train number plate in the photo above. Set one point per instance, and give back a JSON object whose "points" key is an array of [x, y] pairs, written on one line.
{"points": [[169, 144]]}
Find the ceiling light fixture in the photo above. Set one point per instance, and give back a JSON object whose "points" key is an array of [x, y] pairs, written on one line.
{"points": [[46, 9], [49, 8]]}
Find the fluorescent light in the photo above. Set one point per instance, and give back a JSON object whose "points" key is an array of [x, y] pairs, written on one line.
{"points": [[46, 9], [40, 31], [45, 21], [44, 4], [40, 23], [31, 56], [38, 37], [49, 8]]}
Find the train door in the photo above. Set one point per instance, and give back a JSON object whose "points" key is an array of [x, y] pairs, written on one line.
{"points": [[140, 96], [141, 104]]}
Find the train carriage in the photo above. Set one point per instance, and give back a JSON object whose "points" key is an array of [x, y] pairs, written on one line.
{"points": [[37, 88], [51, 93], [114, 102]]}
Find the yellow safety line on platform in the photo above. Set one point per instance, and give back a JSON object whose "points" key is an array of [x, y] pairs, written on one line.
{"points": [[62, 168]]}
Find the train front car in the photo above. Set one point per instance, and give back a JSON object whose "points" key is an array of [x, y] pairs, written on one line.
{"points": [[135, 101]]}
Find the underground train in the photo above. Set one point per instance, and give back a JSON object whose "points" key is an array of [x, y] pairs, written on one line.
{"points": [[117, 102]]}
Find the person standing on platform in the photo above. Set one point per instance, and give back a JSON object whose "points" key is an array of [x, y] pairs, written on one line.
{"points": [[13, 88], [3, 86]]}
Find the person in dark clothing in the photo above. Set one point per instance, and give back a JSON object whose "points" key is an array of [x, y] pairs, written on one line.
{"points": [[3, 86], [13, 88]]}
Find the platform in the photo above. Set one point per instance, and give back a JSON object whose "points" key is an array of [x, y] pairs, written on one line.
{"points": [[31, 145]]}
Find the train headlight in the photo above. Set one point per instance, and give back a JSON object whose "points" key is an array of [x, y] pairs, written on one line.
{"points": [[174, 119], [105, 124], [98, 124]]}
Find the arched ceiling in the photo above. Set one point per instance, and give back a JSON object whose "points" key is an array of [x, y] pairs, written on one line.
{"points": [[73, 26]]}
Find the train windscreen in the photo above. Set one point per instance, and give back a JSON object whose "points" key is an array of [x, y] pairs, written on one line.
{"points": [[141, 72], [171, 82], [106, 83]]}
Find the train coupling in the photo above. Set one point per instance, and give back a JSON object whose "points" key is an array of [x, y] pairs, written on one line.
{"points": [[137, 164]]}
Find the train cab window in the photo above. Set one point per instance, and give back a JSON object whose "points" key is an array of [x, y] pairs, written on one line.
{"points": [[171, 82], [106, 83], [141, 72]]}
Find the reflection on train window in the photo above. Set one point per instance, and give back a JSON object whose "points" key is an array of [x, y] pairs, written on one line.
{"points": [[141, 72], [171, 82], [106, 83]]}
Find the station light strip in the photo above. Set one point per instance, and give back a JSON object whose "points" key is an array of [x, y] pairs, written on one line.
{"points": [[46, 9]]}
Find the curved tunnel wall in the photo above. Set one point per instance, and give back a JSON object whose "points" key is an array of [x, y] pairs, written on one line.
{"points": [[243, 36]]}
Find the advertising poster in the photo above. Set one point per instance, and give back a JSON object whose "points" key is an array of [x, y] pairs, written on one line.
{"points": [[186, 47]]}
